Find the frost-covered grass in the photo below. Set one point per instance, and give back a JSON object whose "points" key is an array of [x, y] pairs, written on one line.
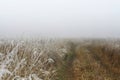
{"points": [[36, 59], [59, 59]]}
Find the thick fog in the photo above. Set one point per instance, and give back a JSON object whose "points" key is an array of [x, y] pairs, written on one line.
{"points": [[60, 18]]}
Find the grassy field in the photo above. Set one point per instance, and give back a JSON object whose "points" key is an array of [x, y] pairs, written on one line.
{"points": [[59, 59], [93, 60]]}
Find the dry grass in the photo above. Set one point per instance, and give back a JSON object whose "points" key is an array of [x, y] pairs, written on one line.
{"points": [[30, 59], [94, 60], [50, 59]]}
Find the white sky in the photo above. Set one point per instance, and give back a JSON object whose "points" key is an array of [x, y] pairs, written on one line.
{"points": [[60, 18]]}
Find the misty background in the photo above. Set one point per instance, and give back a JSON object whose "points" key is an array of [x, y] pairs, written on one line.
{"points": [[60, 18]]}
